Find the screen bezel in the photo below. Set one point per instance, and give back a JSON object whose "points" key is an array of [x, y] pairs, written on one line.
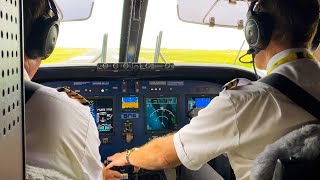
{"points": [[113, 108], [145, 113]]}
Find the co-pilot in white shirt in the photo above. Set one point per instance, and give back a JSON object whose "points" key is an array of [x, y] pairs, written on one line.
{"points": [[242, 121], [61, 135]]}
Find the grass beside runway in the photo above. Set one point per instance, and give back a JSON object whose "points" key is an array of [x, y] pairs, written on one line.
{"points": [[196, 56], [61, 55]]}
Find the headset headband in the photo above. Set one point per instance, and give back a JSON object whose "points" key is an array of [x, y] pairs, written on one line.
{"points": [[252, 5], [54, 9]]}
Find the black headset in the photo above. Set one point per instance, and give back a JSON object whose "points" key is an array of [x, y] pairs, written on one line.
{"points": [[258, 28], [43, 35]]}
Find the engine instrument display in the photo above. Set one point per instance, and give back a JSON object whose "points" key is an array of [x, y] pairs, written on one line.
{"points": [[161, 114], [102, 112], [130, 102]]}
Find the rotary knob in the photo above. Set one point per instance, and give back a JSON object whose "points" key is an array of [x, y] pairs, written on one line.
{"points": [[104, 66], [147, 66], [125, 65], [115, 66]]}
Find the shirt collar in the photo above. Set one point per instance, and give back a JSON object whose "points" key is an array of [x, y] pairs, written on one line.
{"points": [[283, 54], [25, 75]]}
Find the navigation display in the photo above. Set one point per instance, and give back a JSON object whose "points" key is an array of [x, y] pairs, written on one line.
{"points": [[196, 103], [161, 114], [102, 112], [130, 102]]}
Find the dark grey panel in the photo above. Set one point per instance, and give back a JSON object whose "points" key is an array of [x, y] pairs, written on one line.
{"points": [[11, 104]]}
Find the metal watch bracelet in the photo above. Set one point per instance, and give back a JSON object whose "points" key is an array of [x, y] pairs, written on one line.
{"points": [[128, 152]]}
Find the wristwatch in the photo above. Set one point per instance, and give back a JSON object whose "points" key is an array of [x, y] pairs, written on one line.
{"points": [[128, 152]]}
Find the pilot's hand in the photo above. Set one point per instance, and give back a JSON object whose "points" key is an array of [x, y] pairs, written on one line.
{"points": [[118, 159], [109, 174]]}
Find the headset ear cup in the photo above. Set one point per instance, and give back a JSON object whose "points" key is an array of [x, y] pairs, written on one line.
{"points": [[252, 32], [50, 41], [258, 31], [42, 39]]}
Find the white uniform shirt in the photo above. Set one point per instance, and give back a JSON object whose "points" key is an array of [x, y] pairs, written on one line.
{"points": [[61, 135], [242, 121]]}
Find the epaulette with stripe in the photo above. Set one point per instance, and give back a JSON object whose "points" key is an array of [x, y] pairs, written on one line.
{"points": [[236, 83], [74, 95]]}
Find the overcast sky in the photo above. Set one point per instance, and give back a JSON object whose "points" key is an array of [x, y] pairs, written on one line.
{"points": [[161, 16]]}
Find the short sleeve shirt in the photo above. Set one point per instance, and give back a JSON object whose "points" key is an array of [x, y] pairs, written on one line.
{"points": [[243, 120], [61, 135]]}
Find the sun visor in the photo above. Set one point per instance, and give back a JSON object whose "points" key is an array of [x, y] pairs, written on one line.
{"points": [[223, 13], [74, 10]]}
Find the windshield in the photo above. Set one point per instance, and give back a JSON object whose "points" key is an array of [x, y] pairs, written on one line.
{"points": [[81, 41], [165, 38]]}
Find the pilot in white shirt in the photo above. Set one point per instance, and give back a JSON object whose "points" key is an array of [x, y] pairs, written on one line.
{"points": [[61, 135], [60, 131], [244, 119]]}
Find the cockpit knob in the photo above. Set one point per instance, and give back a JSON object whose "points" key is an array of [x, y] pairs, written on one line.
{"points": [[167, 66], [147, 66], [125, 65], [105, 66], [136, 67], [115, 66]]}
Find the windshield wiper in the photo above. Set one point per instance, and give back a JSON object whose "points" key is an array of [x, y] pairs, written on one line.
{"points": [[157, 52], [104, 48]]}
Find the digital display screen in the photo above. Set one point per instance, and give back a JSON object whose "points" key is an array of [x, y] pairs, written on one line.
{"points": [[195, 104], [161, 113], [130, 102], [198, 102], [102, 112]]}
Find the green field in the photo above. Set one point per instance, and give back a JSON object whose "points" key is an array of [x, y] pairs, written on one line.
{"points": [[196, 56], [61, 55]]}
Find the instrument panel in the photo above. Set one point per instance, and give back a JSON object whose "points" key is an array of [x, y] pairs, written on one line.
{"points": [[129, 113]]}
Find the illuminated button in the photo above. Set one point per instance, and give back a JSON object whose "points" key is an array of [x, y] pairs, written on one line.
{"points": [[156, 89], [170, 89], [102, 90], [86, 90], [159, 89], [90, 90], [151, 89]]}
